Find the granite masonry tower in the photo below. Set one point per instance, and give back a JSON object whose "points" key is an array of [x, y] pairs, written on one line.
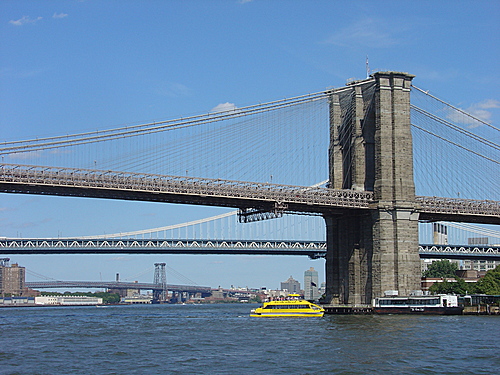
{"points": [[373, 251]]}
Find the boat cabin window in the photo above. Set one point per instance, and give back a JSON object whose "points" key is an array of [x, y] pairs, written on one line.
{"points": [[408, 301], [286, 307]]}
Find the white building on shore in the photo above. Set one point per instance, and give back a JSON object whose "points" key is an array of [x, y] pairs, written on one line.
{"points": [[68, 300]]}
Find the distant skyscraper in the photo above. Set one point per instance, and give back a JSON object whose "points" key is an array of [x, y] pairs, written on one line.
{"points": [[292, 285], [311, 284]]}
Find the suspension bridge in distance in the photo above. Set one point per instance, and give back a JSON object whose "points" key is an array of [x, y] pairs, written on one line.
{"points": [[378, 145], [159, 286], [192, 289]]}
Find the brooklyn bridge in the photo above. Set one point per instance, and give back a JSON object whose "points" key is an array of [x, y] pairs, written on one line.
{"points": [[376, 159]]}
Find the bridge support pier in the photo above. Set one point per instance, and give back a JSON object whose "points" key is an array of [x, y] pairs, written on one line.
{"points": [[371, 149]]}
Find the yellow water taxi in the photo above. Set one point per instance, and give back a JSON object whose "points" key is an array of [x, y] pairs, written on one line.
{"points": [[292, 307]]}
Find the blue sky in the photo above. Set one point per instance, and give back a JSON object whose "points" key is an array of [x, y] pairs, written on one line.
{"points": [[73, 66]]}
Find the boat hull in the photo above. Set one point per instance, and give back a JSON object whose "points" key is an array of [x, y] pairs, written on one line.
{"points": [[419, 310], [287, 314]]}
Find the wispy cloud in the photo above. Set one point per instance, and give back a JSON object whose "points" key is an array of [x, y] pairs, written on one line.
{"points": [[59, 15], [368, 33], [173, 90], [24, 20], [25, 155], [224, 107], [481, 110]]}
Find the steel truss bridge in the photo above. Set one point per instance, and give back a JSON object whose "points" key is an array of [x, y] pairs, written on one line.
{"points": [[312, 249], [251, 198], [117, 285]]}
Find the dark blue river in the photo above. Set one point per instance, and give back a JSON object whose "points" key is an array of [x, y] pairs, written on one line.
{"points": [[223, 339]]}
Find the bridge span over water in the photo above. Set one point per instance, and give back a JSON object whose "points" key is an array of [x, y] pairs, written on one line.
{"points": [[312, 249], [118, 285], [389, 164]]}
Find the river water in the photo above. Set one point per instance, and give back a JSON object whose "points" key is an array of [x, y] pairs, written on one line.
{"points": [[223, 339]]}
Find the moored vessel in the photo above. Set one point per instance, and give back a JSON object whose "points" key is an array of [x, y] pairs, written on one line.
{"points": [[438, 304], [292, 307]]}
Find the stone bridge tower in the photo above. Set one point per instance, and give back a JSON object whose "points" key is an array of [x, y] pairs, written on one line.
{"points": [[370, 252]]}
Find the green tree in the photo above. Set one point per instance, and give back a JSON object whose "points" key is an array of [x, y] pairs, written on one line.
{"points": [[108, 297], [441, 268], [255, 299], [490, 283], [459, 286]]}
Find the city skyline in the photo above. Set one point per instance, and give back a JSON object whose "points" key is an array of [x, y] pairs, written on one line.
{"points": [[68, 67]]}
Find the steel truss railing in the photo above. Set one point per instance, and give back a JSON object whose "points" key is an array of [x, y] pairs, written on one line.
{"points": [[313, 249], [459, 251], [310, 199], [204, 187], [458, 206]]}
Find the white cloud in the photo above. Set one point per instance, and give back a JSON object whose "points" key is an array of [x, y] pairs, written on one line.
{"points": [[489, 103], [25, 155], [24, 20], [59, 15], [479, 110], [224, 107]]}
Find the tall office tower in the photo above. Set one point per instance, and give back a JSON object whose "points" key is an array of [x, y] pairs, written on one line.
{"points": [[311, 284]]}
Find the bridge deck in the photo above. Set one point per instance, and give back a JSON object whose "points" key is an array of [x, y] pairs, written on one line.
{"points": [[225, 193], [312, 249]]}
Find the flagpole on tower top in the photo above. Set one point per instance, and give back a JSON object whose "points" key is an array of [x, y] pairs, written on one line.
{"points": [[367, 68]]}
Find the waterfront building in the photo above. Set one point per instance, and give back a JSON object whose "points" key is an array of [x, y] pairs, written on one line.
{"points": [[68, 300], [291, 285], [479, 265], [482, 265], [138, 300], [311, 283], [12, 278]]}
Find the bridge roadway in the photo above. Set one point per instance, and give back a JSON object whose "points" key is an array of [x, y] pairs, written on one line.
{"points": [[117, 285], [224, 193], [312, 249]]}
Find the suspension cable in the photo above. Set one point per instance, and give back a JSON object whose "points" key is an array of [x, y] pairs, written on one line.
{"points": [[457, 109]]}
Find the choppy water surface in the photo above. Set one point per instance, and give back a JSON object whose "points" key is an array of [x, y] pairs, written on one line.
{"points": [[223, 339]]}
